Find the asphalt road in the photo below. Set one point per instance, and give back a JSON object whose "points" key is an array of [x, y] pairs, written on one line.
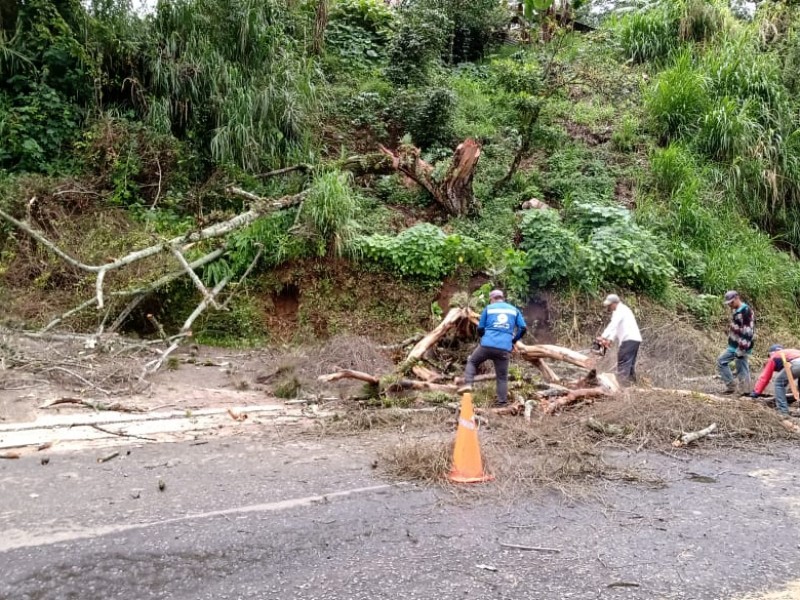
{"points": [[267, 518]]}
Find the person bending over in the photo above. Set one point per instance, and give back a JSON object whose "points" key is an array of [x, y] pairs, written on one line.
{"points": [[500, 327]]}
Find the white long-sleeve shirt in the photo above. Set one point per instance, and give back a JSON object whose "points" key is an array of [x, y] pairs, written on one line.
{"points": [[623, 326]]}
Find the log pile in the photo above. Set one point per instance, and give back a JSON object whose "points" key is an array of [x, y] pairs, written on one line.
{"points": [[555, 395]]}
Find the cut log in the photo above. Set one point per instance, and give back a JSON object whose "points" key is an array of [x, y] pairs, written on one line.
{"points": [[350, 374], [531, 353], [426, 374], [572, 397], [431, 339], [693, 436]]}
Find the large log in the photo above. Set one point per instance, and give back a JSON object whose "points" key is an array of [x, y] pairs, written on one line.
{"points": [[532, 353], [432, 338]]}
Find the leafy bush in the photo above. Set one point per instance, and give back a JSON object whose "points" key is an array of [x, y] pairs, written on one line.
{"points": [[552, 250], [678, 99], [423, 252], [586, 217], [515, 275], [418, 44], [36, 128], [427, 115], [629, 256], [360, 30], [517, 76]]}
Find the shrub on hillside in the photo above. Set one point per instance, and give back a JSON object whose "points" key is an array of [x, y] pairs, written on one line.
{"points": [[360, 30], [427, 115], [551, 248], [423, 252], [673, 168], [629, 256], [701, 20]]}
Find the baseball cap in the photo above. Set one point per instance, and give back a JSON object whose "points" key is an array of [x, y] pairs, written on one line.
{"points": [[775, 348], [611, 299], [730, 295], [496, 294]]}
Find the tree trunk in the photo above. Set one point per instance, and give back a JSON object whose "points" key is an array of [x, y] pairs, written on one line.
{"points": [[320, 24], [454, 192]]}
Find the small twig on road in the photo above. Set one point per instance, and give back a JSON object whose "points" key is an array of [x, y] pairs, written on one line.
{"points": [[122, 434], [623, 584], [529, 548], [111, 456]]}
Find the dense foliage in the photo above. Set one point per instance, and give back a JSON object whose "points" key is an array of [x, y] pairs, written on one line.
{"points": [[666, 143]]}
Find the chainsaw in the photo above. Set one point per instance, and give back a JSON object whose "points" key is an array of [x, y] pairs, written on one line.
{"points": [[596, 348]]}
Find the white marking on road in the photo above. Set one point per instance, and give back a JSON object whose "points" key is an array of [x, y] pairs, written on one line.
{"points": [[17, 538]]}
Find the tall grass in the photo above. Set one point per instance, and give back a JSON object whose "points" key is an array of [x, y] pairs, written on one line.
{"points": [[678, 99], [228, 72], [649, 35], [328, 212]]}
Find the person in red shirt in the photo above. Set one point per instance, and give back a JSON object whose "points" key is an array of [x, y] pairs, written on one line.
{"points": [[775, 363]]}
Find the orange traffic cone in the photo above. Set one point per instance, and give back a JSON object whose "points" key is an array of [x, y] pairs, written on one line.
{"points": [[467, 463]]}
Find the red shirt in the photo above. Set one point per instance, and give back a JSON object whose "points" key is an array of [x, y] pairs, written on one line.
{"points": [[775, 363]]}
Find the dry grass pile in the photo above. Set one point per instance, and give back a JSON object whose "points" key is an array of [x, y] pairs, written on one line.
{"points": [[563, 453], [653, 419], [356, 421]]}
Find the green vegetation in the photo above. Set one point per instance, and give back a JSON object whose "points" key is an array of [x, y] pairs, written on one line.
{"points": [[666, 145]]}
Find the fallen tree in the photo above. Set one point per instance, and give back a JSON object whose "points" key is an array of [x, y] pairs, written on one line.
{"points": [[453, 191], [177, 247]]}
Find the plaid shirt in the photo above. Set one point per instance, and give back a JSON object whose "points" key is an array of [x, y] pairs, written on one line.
{"points": [[742, 330]]}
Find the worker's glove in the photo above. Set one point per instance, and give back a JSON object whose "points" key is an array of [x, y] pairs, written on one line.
{"points": [[754, 395], [740, 354]]}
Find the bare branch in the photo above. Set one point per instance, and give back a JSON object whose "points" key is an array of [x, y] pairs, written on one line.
{"points": [[192, 275]]}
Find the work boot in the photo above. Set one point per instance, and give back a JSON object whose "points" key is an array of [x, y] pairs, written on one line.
{"points": [[467, 387], [730, 389]]}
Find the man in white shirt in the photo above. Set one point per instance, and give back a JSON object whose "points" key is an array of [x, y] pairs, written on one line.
{"points": [[624, 329]]}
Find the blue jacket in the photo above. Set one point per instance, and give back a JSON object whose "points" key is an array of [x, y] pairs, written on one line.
{"points": [[501, 325]]}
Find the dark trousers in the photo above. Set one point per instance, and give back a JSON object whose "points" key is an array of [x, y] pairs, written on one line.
{"points": [[626, 361], [500, 358]]}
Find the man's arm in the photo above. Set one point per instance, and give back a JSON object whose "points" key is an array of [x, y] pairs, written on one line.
{"points": [[610, 332], [482, 323], [765, 377], [521, 326]]}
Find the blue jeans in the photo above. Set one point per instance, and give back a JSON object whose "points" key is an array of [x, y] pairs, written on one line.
{"points": [[742, 367], [781, 383]]}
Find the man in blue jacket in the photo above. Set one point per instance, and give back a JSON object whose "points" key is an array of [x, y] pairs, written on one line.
{"points": [[500, 327]]}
